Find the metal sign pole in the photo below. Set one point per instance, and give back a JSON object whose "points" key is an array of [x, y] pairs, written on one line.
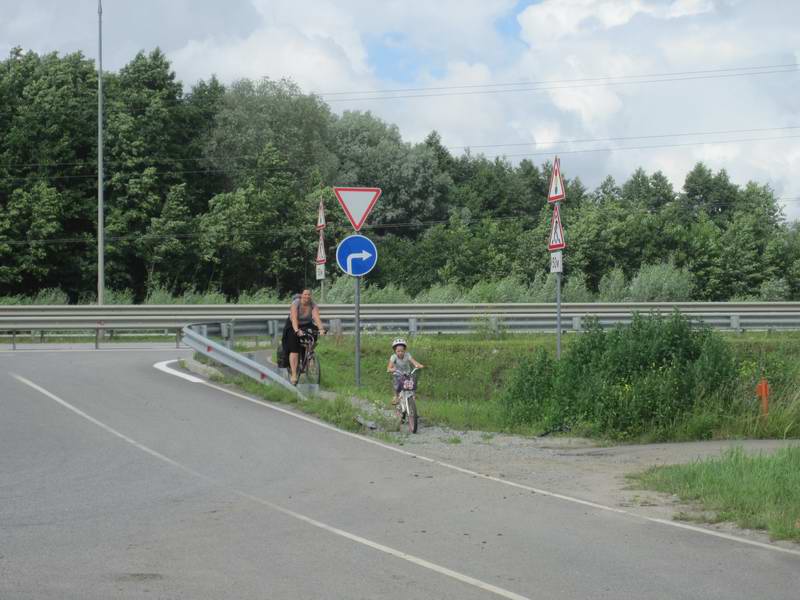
{"points": [[358, 330], [558, 315], [558, 303], [101, 284]]}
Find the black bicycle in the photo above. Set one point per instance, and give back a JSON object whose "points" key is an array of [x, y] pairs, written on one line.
{"points": [[308, 369]]}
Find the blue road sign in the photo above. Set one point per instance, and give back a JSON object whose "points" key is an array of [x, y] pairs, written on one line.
{"points": [[356, 255]]}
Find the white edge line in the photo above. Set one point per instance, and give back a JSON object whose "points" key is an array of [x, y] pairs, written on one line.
{"points": [[514, 484], [162, 366], [318, 524]]}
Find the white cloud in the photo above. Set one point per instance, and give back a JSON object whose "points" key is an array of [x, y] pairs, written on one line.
{"points": [[326, 45]]}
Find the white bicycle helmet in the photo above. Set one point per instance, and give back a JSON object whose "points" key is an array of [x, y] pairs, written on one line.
{"points": [[399, 342]]}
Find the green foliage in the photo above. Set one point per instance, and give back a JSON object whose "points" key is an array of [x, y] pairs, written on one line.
{"points": [[216, 188], [622, 383], [613, 287], [661, 283], [261, 296], [754, 491]]}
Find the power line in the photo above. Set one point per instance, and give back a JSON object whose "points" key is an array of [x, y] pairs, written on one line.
{"points": [[633, 137], [477, 221], [543, 88], [154, 159], [557, 81], [655, 146]]}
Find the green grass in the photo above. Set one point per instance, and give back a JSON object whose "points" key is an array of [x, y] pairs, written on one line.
{"points": [[339, 412], [461, 382], [465, 375], [754, 491]]}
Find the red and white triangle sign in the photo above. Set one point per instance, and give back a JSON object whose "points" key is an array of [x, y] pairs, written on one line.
{"points": [[321, 215], [357, 203], [321, 258], [556, 232], [556, 191]]}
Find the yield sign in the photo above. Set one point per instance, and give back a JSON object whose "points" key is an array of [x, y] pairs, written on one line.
{"points": [[556, 232], [357, 203], [321, 258], [556, 191]]}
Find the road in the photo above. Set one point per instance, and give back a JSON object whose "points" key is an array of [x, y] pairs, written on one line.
{"points": [[118, 480]]}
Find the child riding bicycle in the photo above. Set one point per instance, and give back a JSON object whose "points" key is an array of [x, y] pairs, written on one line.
{"points": [[400, 363]]}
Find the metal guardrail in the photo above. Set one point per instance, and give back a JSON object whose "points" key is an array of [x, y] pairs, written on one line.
{"points": [[267, 320], [196, 337]]}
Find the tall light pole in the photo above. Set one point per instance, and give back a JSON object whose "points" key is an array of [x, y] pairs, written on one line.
{"points": [[100, 218]]}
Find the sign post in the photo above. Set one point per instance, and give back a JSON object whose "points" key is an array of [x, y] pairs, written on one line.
{"points": [[321, 258], [556, 193], [356, 255]]}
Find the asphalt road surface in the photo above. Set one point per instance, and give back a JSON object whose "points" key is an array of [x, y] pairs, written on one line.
{"points": [[118, 480]]}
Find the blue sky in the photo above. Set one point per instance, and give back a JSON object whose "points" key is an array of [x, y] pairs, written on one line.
{"points": [[340, 45]]}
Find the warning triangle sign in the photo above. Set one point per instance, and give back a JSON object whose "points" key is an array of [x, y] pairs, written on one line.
{"points": [[357, 203], [556, 191], [321, 258], [321, 215], [556, 232]]}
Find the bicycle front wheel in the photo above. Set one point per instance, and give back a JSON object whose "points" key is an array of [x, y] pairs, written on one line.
{"points": [[411, 417], [312, 373]]}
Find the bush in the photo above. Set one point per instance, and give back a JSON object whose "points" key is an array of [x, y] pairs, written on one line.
{"points": [[575, 290], [260, 296], [613, 287], [661, 283], [774, 290], [391, 294], [633, 380], [448, 293], [341, 292]]}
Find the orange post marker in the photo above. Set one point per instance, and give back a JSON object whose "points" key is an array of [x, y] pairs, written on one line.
{"points": [[762, 391]]}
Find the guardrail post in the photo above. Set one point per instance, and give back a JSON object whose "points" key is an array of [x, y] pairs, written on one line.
{"points": [[576, 323], [96, 338], [493, 324], [178, 337], [735, 323], [232, 333], [273, 330], [204, 330], [336, 327], [412, 325], [13, 339]]}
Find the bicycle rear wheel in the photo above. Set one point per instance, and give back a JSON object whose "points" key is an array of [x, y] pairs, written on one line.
{"points": [[312, 373], [411, 417]]}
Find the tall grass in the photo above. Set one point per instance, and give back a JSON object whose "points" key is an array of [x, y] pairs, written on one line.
{"points": [[757, 492], [459, 387]]}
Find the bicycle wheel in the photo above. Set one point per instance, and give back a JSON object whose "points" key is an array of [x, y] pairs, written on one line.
{"points": [[312, 372], [411, 417]]}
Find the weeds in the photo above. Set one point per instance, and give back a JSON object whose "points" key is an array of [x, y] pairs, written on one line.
{"points": [[756, 492]]}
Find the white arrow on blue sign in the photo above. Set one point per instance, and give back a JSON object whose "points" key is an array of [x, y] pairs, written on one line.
{"points": [[356, 255]]}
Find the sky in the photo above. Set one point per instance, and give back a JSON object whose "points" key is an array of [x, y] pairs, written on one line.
{"points": [[657, 84]]}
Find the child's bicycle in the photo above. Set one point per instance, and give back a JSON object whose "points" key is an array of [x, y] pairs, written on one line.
{"points": [[308, 369], [407, 405]]}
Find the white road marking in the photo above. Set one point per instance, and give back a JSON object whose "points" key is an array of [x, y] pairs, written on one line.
{"points": [[162, 366], [521, 486], [300, 517]]}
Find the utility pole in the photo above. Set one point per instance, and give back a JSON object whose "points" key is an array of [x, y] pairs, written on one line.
{"points": [[101, 284]]}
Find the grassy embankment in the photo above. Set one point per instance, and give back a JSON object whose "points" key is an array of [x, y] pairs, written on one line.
{"points": [[756, 492], [465, 377]]}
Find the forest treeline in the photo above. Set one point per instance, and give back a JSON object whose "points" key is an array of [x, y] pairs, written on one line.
{"points": [[216, 188]]}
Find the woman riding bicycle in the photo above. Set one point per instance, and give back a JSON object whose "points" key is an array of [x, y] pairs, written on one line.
{"points": [[303, 315]]}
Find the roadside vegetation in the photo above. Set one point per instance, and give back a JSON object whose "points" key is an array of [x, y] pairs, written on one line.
{"points": [[657, 380], [753, 491], [661, 282]]}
